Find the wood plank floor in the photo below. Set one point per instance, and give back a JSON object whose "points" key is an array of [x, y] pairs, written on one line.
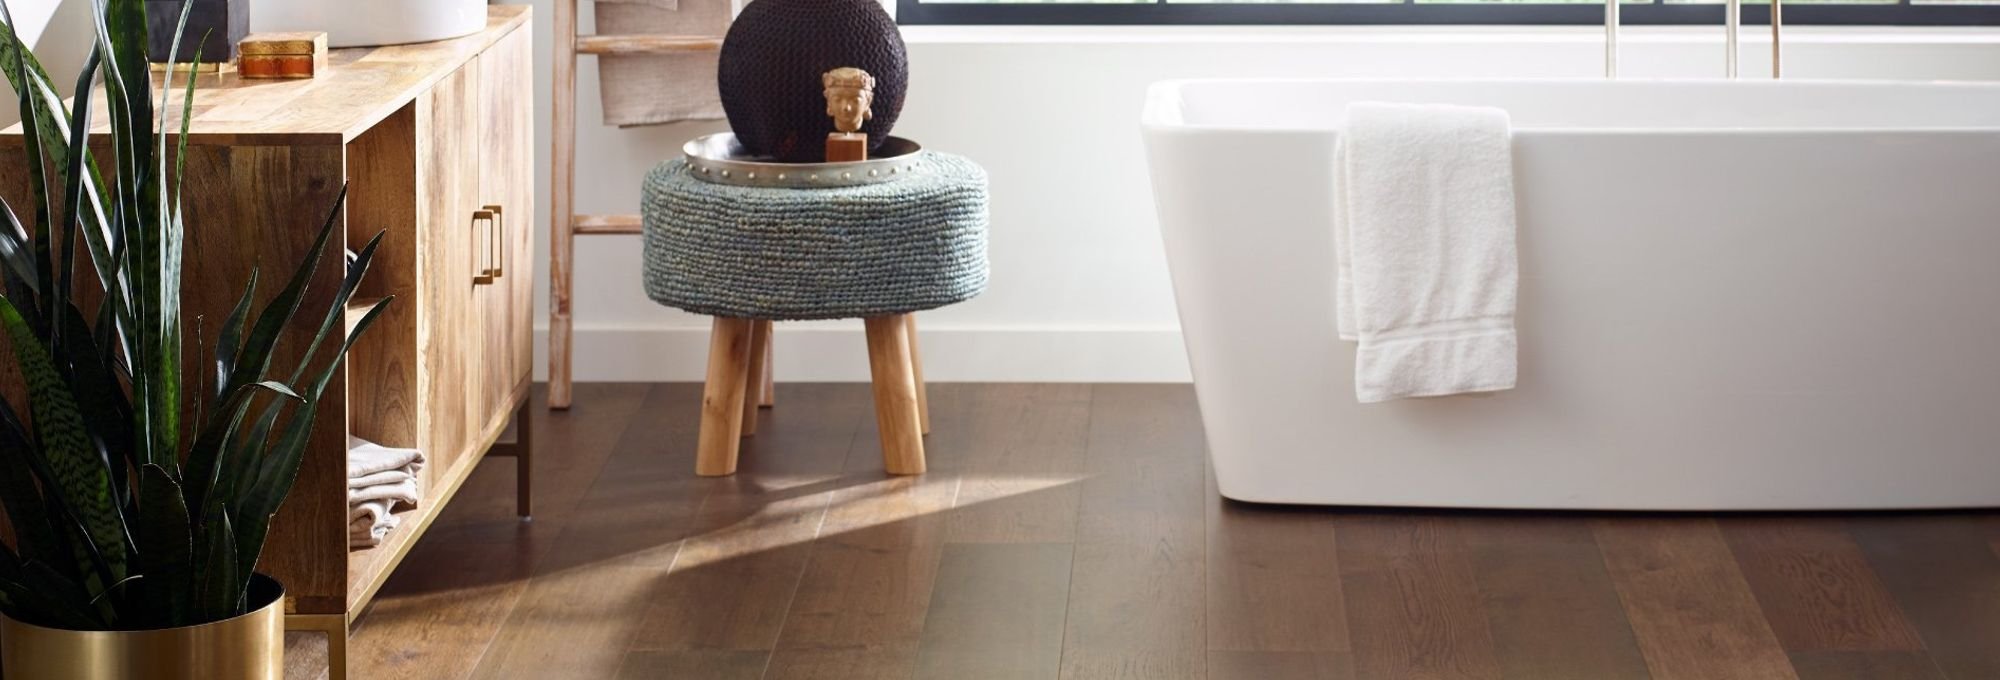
{"points": [[1073, 532]]}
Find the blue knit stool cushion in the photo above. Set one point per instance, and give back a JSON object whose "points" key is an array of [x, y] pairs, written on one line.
{"points": [[783, 254]]}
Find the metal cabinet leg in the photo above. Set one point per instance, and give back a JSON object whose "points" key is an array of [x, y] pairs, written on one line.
{"points": [[335, 628], [522, 449], [336, 652], [524, 463]]}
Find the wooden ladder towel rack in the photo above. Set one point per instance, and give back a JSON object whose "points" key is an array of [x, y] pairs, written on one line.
{"points": [[564, 223]]}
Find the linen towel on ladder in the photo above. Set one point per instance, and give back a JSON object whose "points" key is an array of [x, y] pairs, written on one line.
{"points": [[1424, 247], [651, 89]]}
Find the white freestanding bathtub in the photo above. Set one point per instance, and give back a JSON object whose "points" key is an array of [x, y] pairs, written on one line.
{"points": [[1733, 296], [366, 23]]}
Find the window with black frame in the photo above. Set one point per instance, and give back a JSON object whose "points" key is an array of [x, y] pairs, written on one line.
{"points": [[1442, 12]]}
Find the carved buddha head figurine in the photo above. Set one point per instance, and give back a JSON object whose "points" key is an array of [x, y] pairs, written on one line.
{"points": [[849, 94]]}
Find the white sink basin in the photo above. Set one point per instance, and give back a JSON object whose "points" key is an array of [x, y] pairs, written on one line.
{"points": [[363, 23]]}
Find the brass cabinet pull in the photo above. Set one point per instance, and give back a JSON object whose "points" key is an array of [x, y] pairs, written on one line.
{"points": [[480, 252], [499, 244]]}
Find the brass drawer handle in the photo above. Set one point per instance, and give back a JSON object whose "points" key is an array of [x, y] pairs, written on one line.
{"points": [[481, 252], [499, 233]]}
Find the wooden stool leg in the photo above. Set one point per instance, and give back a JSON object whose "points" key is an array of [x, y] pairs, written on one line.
{"points": [[722, 397], [895, 394], [768, 397], [917, 372], [760, 340]]}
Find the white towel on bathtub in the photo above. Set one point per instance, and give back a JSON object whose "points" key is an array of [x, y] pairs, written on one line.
{"points": [[1424, 248]]}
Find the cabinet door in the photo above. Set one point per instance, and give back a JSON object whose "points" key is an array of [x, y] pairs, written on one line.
{"points": [[506, 180], [452, 358]]}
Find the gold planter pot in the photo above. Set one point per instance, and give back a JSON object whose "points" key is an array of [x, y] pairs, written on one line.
{"points": [[248, 647]]}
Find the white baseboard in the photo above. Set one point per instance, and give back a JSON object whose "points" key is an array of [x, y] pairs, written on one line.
{"points": [[837, 353]]}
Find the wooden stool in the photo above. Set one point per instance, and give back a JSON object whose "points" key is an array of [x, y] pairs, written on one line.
{"points": [[739, 381], [749, 255]]}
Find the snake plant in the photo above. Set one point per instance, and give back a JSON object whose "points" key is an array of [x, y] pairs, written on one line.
{"points": [[135, 502]]}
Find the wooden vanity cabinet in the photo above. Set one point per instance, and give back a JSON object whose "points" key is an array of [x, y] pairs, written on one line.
{"points": [[435, 144]]}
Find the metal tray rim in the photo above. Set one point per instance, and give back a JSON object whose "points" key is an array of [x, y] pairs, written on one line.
{"points": [[720, 159]]}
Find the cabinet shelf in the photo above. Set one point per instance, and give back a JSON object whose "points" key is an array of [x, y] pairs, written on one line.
{"points": [[369, 568]]}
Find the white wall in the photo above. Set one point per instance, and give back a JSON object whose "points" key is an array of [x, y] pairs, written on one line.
{"points": [[1080, 288], [60, 33]]}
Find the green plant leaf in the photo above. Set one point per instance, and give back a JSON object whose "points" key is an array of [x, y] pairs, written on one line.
{"points": [[166, 546], [33, 112], [120, 28], [231, 340], [69, 543], [247, 451], [367, 319], [25, 74], [85, 484], [175, 243], [274, 480], [218, 590], [255, 357], [74, 180], [122, 23], [100, 234], [116, 598], [281, 468], [30, 592], [15, 252], [16, 600], [208, 477], [100, 397], [161, 271], [187, 121], [22, 497], [17, 58], [248, 448], [337, 312], [173, 64], [104, 336], [61, 588]]}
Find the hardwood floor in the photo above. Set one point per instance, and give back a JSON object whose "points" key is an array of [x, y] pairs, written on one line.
{"points": [[1073, 532]]}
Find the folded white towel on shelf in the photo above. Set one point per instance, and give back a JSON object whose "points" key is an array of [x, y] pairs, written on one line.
{"points": [[366, 458], [1424, 248], [367, 537], [380, 478], [368, 523], [404, 493], [369, 512]]}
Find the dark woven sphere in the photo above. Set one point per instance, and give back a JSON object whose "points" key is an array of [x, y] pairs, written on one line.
{"points": [[771, 64]]}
